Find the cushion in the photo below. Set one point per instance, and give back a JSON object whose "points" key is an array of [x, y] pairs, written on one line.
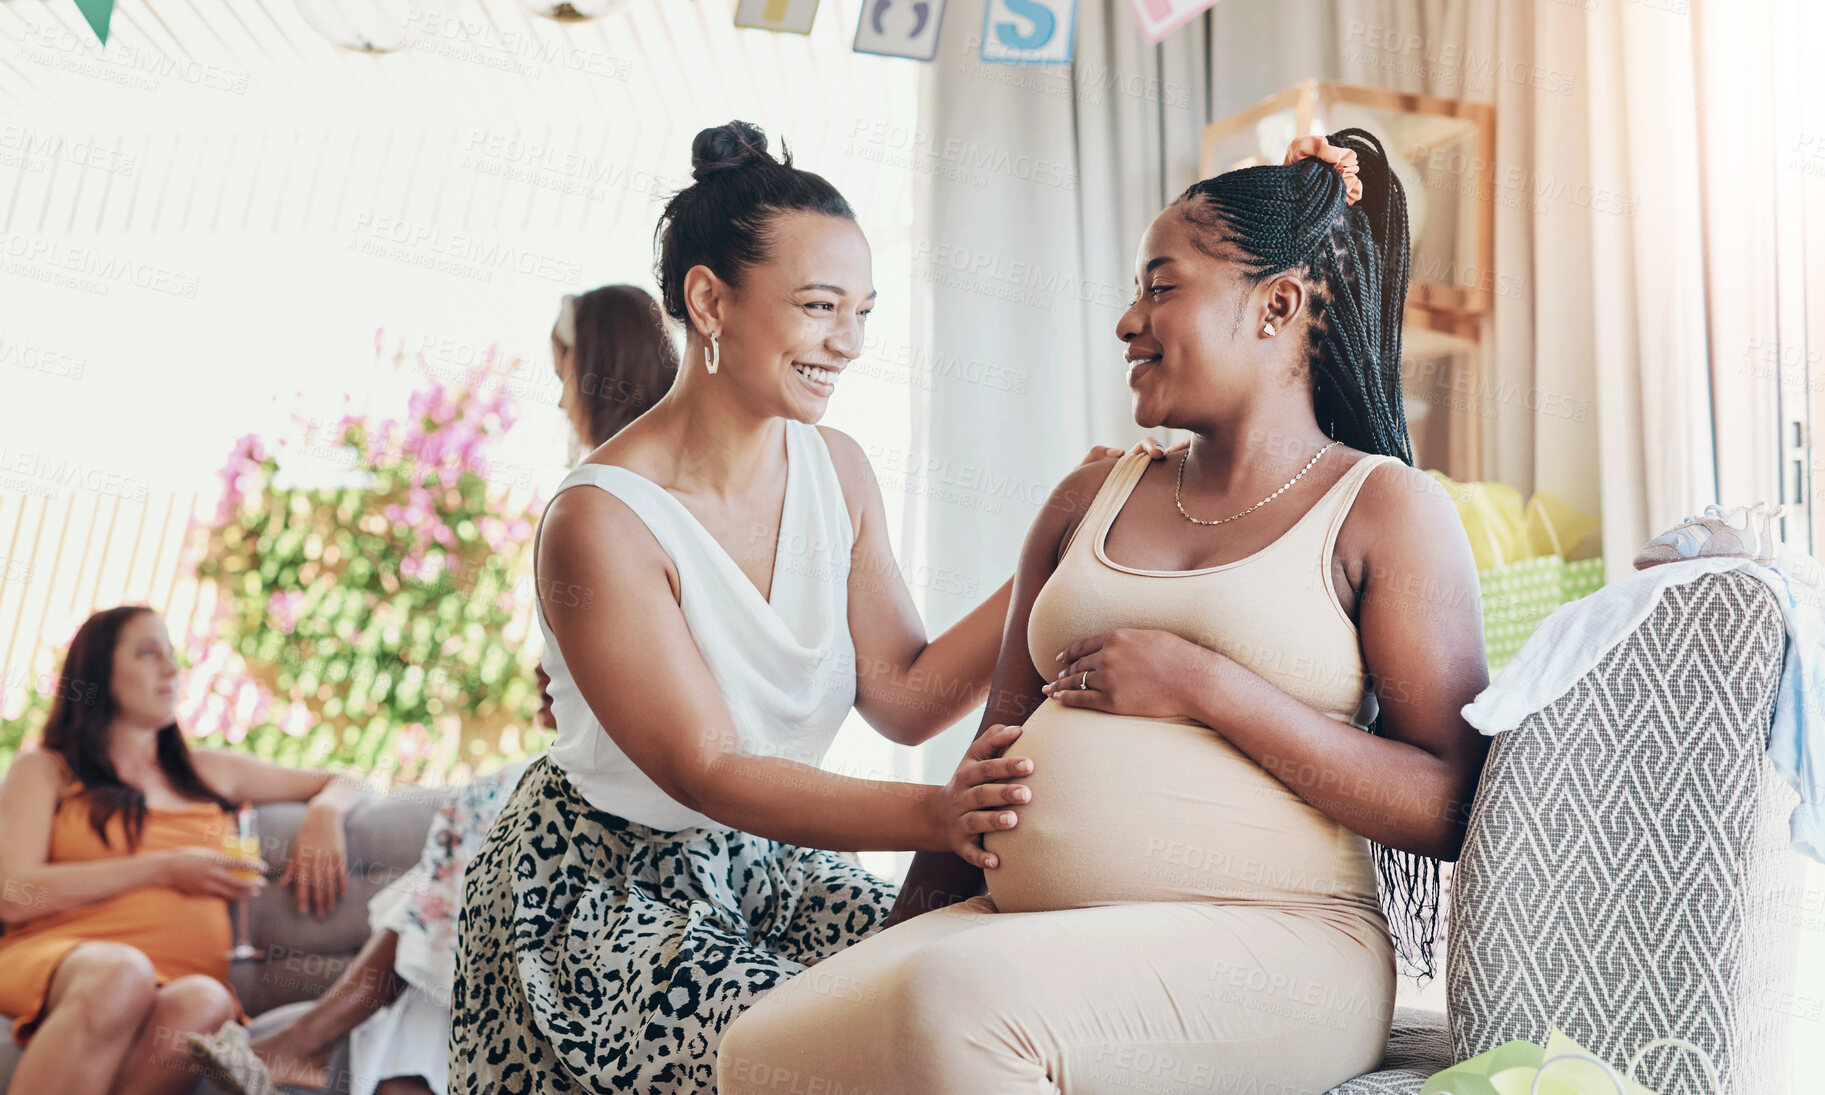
{"points": [[1627, 854], [306, 954]]}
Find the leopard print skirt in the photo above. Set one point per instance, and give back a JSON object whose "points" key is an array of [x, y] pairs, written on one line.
{"points": [[598, 955]]}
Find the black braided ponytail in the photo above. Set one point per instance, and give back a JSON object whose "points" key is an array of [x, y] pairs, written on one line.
{"points": [[723, 220], [1354, 260]]}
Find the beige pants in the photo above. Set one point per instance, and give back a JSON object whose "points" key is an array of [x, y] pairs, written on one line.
{"points": [[1159, 997]]}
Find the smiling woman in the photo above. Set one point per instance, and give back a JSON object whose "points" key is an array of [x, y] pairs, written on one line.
{"points": [[740, 597]]}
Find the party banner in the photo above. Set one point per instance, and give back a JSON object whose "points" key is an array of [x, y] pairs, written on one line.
{"points": [[789, 16], [98, 13], [1158, 18], [900, 28], [1029, 32]]}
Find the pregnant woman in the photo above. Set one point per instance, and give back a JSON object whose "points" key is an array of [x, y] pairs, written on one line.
{"points": [[117, 885], [1243, 671], [712, 611]]}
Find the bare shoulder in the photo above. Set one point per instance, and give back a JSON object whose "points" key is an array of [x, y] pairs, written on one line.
{"points": [[39, 769], [852, 467], [853, 471], [224, 771], [219, 762], [592, 532], [1071, 499], [1397, 493], [845, 451], [1402, 519]]}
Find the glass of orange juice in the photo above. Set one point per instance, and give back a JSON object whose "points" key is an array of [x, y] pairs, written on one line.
{"points": [[243, 843]]}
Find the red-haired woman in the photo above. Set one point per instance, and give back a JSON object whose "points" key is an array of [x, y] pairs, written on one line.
{"points": [[115, 903]]}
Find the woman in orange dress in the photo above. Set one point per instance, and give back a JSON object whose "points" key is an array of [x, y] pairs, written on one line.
{"points": [[114, 881]]}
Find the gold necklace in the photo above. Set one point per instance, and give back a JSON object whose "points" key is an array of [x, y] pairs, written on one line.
{"points": [[1181, 486]]}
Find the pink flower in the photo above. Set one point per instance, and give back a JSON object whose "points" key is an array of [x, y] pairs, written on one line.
{"points": [[246, 700], [297, 720], [413, 743], [215, 709], [283, 607], [381, 441]]}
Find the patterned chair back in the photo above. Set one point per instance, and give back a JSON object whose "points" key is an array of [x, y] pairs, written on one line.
{"points": [[1626, 873]]}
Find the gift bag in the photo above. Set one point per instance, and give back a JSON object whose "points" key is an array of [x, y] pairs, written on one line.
{"points": [[1561, 1067], [1520, 555]]}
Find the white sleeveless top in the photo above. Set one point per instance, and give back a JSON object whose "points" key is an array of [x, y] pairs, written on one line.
{"points": [[785, 667]]}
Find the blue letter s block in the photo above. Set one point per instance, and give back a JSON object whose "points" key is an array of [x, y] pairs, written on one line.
{"points": [[1044, 24]]}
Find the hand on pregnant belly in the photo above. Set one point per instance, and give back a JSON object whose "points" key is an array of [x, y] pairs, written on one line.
{"points": [[1139, 671], [976, 799]]}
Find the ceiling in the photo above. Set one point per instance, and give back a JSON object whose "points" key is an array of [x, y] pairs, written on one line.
{"points": [[215, 114]]}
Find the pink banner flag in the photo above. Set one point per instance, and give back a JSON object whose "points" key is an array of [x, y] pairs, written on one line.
{"points": [[1158, 18]]}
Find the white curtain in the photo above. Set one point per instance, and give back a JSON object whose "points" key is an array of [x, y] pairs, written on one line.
{"points": [[1643, 161]]}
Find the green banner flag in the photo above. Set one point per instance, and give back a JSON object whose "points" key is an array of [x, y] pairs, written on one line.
{"points": [[97, 12]]}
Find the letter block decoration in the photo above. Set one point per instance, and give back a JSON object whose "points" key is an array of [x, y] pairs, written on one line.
{"points": [[1158, 18], [1029, 32], [787, 16], [900, 28]]}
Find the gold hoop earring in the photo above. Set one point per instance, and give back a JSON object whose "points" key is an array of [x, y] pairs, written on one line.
{"points": [[712, 355]]}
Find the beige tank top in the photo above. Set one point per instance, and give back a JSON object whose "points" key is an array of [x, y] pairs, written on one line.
{"points": [[1274, 611], [1131, 808]]}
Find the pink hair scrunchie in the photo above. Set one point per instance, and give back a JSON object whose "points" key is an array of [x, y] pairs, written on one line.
{"points": [[1343, 159]]}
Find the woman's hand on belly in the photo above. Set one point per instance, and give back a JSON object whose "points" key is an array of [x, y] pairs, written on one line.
{"points": [[975, 800], [1133, 671]]}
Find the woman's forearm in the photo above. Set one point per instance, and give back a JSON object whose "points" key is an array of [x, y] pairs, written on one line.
{"points": [[341, 795], [951, 675], [799, 804], [1387, 791], [54, 887]]}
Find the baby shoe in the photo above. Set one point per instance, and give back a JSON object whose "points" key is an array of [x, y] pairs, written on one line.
{"points": [[1743, 531], [228, 1060]]}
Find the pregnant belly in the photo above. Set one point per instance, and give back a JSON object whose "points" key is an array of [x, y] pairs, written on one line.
{"points": [[1130, 809], [180, 933]]}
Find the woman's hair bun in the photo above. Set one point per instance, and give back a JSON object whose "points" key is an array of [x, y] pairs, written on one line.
{"points": [[728, 148], [724, 220]]}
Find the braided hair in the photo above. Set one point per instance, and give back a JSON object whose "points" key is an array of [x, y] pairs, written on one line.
{"points": [[724, 219], [1354, 262]]}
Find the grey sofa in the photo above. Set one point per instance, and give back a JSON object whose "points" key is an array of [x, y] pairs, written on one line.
{"points": [[1626, 874], [305, 954]]}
